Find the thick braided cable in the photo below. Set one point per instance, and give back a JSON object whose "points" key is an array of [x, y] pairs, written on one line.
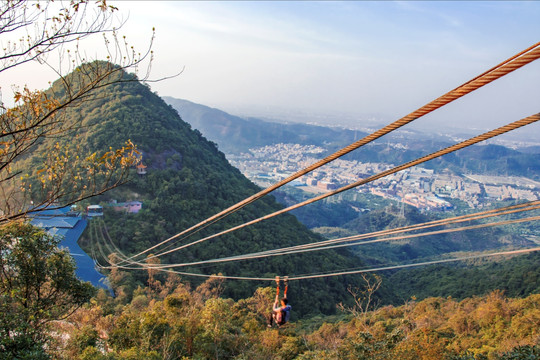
{"points": [[515, 62], [461, 145]]}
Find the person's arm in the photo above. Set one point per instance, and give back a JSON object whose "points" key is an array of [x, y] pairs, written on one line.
{"points": [[276, 302]]}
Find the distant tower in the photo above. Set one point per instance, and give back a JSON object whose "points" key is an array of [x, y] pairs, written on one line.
{"points": [[141, 169], [402, 210]]}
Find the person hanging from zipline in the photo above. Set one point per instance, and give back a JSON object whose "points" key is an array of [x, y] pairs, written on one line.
{"points": [[280, 314]]}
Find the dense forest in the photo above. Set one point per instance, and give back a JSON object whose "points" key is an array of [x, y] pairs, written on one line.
{"points": [[517, 277], [175, 321]]}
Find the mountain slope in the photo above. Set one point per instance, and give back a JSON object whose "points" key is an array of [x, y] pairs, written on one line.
{"points": [[426, 247], [189, 180], [517, 276]]}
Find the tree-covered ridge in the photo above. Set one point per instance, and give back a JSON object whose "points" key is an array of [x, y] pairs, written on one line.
{"points": [[42, 162], [187, 180], [173, 320]]}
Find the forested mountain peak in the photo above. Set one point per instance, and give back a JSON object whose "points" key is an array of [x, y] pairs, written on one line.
{"points": [[187, 180]]}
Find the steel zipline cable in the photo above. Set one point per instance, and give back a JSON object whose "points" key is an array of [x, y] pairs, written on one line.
{"points": [[490, 134], [533, 205], [403, 266], [515, 62], [507, 210], [358, 271], [353, 240]]}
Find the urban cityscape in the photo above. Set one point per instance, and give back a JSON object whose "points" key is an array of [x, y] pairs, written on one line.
{"points": [[423, 188]]}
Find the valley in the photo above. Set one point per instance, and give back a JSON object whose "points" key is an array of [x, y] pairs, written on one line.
{"points": [[136, 226]]}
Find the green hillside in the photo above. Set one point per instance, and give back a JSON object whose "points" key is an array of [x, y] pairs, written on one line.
{"points": [[516, 277], [189, 180], [428, 246]]}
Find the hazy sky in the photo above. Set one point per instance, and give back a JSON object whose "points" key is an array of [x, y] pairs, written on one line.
{"points": [[347, 58]]}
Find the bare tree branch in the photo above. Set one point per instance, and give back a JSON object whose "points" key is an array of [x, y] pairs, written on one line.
{"points": [[29, 31]]}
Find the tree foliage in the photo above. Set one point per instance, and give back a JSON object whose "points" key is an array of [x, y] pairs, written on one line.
{"points": [[39, 31], [38, 285], [518, 276], [195, 323]]}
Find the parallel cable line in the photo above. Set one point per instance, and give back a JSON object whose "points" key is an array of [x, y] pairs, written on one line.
{"points": [[515, 62], [97, 225], [474, 140], [507, 210], [218, 276], [403, 266], [534, 205], [351, 272], [330, 246], [403, 237]]}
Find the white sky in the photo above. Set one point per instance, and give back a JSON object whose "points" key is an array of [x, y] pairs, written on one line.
{"points": [[347, 58]]}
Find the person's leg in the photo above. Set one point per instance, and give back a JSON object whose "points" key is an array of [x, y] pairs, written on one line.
{"points": [[271, 319]]}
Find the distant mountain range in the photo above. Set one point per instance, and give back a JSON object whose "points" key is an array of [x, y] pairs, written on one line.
{"points": [[234, 134]]}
